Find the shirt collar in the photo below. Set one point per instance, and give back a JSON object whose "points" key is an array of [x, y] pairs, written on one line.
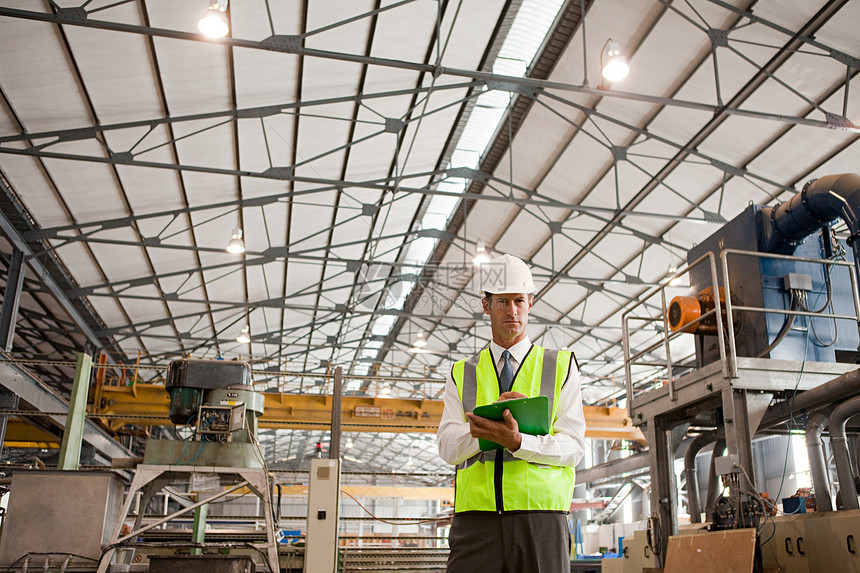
{"points": [[518, 351]]}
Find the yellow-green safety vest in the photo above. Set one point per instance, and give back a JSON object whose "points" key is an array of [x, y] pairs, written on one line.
{"points": [[496, 480]]}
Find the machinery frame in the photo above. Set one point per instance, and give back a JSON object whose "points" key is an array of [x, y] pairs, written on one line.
{"points": [[151, 479], [743, 386]]}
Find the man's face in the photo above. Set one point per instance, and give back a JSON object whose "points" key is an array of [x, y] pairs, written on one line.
{"points": [[509, 315]]}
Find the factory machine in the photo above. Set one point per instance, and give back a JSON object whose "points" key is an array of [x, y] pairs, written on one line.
{"points": [[80, 520], [773, 313], [216, 400]]}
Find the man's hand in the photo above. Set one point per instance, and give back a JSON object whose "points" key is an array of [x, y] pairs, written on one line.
{"points": [[510, 396], [506, 432]]}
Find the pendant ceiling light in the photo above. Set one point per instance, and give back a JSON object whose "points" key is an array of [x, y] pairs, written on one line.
{"points": [[213, 22], [236, 245], [481, 256], [244, 336], [613, 64]]}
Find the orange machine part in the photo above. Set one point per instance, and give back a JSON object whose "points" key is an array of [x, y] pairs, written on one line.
{"points": [[682, 311], [685, 309]]}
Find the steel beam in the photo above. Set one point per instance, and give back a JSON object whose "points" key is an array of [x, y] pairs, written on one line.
{"points": [[611, 424], [519, 84], [8, 401], [739, 98], [241, 113], [404, 492], [831, 9], [742, 412], [11, 299], [20, 244], [614, 468], [381, 187], [22, 434], [44, 399]]}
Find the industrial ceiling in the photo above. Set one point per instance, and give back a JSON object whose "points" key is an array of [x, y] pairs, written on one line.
{"points": [[363, 149]]}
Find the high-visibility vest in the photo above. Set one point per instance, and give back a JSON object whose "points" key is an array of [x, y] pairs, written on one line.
{"points": [[496, 480]]}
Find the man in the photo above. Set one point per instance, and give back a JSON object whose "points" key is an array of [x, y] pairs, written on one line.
{"points": [[511, 504]]}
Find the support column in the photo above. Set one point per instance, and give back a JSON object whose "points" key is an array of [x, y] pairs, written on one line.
{"points": [[663, 490], [73, 436], [742, 412], [11, 299], [336, 404], [198, 533]]}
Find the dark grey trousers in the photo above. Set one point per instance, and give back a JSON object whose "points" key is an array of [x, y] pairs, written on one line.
{"points": [[529, 542]]}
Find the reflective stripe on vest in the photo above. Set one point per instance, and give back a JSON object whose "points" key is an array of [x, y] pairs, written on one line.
{"points": [[525, 486], [470, 393]]}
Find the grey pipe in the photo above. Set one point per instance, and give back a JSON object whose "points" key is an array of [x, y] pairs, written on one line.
{"points": [[836, 390], [839, 444], [857, 458], [693, 450], [817, 462], [820, 202], [713, 479]]}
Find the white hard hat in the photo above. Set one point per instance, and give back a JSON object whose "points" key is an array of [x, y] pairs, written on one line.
{"points": [[505, 274]]}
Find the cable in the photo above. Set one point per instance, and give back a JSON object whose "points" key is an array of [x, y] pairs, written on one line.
{"points": [[264, 556], [768, 517], [792, 421], [258, 450], [384, 521], [749, 479], [653, 535], [199, 449], [818, 342], [786, 327], [829, 294], [827, 303], [182, 454], [258, 453], [32, 553]]}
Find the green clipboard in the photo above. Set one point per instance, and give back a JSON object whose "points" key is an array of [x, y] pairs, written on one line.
{"points": [[531, 414]]}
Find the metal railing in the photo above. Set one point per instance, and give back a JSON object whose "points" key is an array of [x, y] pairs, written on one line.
{"points": [[724, 255], [725, 332], [667, 334]]}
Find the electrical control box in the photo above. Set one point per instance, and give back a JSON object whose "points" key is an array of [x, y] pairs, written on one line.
{"points": [[323, 505], [218, 423], [725, 465]]}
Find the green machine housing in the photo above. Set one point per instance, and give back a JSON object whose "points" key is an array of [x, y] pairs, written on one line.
{"points": [[216, 397]]}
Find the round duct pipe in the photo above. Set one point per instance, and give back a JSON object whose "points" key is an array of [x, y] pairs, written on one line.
{"points": [[817, 462], [819, 203], [693, 450], [839, 444], [836, 390], [714, 487]]}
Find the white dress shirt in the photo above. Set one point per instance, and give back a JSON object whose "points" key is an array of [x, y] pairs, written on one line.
{"points": [[564, 448]]}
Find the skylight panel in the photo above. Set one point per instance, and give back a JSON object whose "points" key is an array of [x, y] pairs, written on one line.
{"points": [[519, 49]]}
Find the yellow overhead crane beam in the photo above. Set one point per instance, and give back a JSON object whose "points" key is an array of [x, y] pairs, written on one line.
{"points": [[21, 434], [147, 405]]}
